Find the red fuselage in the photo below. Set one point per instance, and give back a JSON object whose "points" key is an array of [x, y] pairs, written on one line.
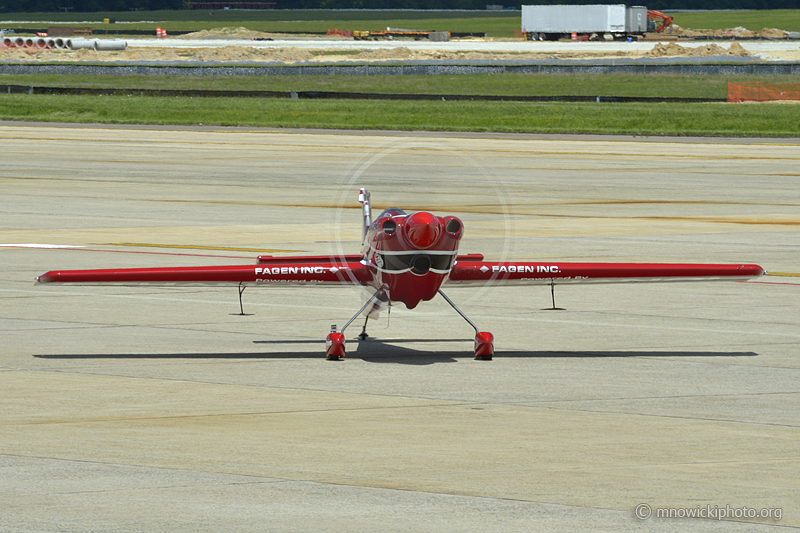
{"points": [[411, 255]]}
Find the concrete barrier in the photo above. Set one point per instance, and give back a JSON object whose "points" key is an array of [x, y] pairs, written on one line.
{"points": [[79, 44], [71, 43], [116, 44]]}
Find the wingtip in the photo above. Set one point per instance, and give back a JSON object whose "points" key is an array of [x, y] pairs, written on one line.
{"points": [[757, 271], [44, 278]]}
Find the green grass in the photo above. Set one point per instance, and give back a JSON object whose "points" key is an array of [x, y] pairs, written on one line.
{"points": [[784, 19], [667, 86], [496, 24], [261, 15], [635, 119]]}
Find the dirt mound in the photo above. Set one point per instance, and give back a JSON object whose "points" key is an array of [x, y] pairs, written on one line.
{"points": [[286, 55], [738, 32], [384, 54], [742, 32], [674, 29], [215, 54], [44, 54], [20, 53], [726, 33], [772, 33], [738, 50], [234, 54], [228, 33], [708, 50]]}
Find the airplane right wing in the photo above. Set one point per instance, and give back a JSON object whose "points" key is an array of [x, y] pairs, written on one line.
{"points": [[557, 273]]}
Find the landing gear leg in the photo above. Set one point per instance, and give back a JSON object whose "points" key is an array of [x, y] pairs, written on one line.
{"points": [[484, 341], [363, 335], [553, 296], [242, 287], [334, 343]]}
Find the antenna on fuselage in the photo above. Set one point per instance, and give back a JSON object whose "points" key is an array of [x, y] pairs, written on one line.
{"points": [[366, 211]]}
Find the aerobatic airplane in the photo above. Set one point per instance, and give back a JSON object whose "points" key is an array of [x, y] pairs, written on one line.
{"points": [[407, 258]]}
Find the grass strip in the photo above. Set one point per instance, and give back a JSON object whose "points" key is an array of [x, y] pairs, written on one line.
{"points": [[654, 86], [330, 95], [269, 15], [495, 25], [632, 118], [755, 20]]}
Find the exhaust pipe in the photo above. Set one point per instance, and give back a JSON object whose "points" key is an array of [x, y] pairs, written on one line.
{"points": [[116, 44]]}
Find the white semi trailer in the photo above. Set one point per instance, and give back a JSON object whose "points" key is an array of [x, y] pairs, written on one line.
{"points": [[550, 23]]}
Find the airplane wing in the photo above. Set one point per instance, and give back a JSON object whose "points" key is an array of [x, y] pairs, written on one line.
{"points": [[555, 273], [322, 270]]}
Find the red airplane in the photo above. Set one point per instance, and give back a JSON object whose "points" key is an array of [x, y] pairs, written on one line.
{"points": [[405, 258]]}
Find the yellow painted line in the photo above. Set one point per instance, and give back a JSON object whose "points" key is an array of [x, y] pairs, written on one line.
{"points": [[771, 144], [783, 274], [189, 247]]}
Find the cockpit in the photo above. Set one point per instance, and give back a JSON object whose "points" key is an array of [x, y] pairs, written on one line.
{"points": [[392, 212]]}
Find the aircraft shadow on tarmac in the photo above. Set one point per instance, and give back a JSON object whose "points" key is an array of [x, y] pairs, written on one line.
{"points": [[376, 351]]}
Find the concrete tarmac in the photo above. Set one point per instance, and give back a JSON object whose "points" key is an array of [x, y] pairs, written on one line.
{"points": [[152, 408]]}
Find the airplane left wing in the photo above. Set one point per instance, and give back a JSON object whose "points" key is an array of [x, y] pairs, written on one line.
{"points": [[556, 273], [301, 270]]}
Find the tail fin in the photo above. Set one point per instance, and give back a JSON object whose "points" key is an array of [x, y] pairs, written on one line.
{"points": [[366, 210]]}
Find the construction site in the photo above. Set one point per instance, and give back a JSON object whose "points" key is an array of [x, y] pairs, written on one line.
{"points": [[555, 32], [237, 45]]}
